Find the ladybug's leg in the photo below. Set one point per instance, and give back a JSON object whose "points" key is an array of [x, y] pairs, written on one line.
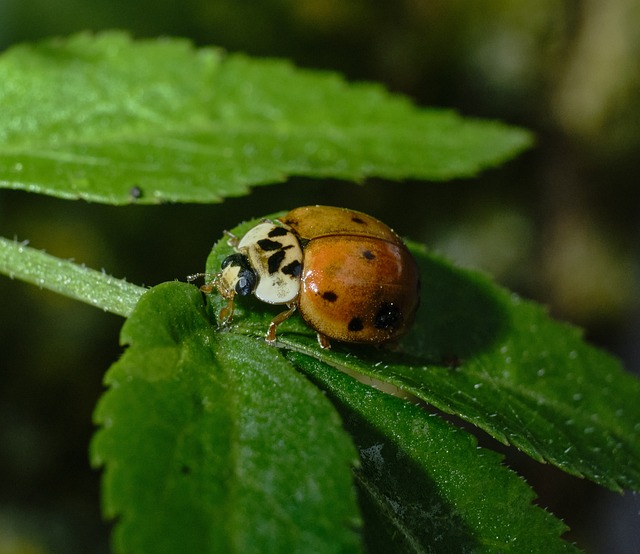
{"points": [[207, 288], [226, 314], [323, 341], [283, 316], [233, 240]]}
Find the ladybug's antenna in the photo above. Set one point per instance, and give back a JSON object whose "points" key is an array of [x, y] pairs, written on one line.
{"points": [[209, 284], [196, 276]]}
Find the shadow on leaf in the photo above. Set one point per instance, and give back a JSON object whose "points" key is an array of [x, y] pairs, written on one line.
{"points": [[402, 507]]}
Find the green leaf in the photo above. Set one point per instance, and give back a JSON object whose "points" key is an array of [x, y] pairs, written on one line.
{"points": [[425, 486], [113, 120], [212, 442], [482, 353]]}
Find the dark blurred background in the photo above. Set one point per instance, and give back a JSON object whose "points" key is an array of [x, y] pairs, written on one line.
{"points": [[559, 224]]}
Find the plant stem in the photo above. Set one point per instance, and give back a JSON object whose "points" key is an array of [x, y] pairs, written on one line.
{"points": [[68, 278]]}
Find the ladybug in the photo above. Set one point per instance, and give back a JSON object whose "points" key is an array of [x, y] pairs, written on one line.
{"points": [[349, 275]]}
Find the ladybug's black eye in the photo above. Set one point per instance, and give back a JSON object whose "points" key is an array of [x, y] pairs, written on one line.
{"points": [[246, 279], [246, 282]]}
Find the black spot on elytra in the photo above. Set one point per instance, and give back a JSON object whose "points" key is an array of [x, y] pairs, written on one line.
{"points": [[388, 316], [267, 244], [329, 296], [294, 269], [277, 232], [356, 219], [355, 325], [275, 260], [368, 255]]}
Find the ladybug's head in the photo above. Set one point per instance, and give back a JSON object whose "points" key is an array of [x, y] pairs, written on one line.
{"points": [[236, 276]]}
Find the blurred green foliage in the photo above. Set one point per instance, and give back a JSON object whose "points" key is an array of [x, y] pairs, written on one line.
{"points": [[559, 225]]}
